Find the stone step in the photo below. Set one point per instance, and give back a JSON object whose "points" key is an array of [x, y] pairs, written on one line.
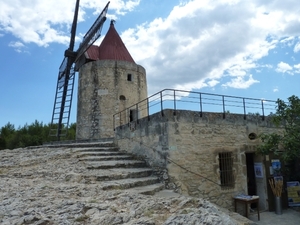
{"points": [[128, 183], [106, 158], [112, 169], [79, 144], [116, 174], [97, 153], [96, 149], [97, 144], [115, 164], [147, 190]]}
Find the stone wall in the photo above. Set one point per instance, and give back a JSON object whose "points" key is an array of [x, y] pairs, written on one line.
{"points": [[188, 147], [106, 87]]}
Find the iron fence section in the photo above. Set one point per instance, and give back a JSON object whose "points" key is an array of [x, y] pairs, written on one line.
{"points": [[194, 101]]}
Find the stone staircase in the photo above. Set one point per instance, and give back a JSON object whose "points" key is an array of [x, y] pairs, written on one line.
{"points": [[112, 169]]}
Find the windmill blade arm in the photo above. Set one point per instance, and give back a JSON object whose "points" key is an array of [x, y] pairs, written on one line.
{"points": [[64, 71], [62, 68], [93, 34], [88, 42], [74, 26]]}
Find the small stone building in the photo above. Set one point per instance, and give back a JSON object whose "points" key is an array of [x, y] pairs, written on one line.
{"points": [[109, 82], [206, 156]]}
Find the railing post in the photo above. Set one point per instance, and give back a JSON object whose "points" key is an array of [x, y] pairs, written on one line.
{"points": [[200, 97], [148, 109], [120, 120], [263, 110], [161, 104], [137, 113], [244, 105], [127, 116], [174, 113], [114, 122], [223, 106]]}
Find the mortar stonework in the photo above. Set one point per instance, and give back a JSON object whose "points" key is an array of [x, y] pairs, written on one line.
{"points": [[188, 146], [103, 90]]}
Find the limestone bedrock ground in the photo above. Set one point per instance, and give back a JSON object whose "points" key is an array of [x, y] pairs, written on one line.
{"points": [[48, 186]]}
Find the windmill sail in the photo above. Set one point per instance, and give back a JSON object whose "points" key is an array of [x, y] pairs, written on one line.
{"points": [[62, 73], [66, 74], [93, 34]]}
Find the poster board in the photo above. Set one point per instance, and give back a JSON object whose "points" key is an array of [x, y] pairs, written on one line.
{"points": [[276, 167], [293, 189], [258, 170]]}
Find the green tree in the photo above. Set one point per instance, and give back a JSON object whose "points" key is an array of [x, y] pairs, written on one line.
{"points": [[287, 143], [34, 134], [71, 132], [6, 135]]}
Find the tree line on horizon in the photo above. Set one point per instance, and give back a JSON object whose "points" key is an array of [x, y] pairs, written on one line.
{"points": [[34, 134]]}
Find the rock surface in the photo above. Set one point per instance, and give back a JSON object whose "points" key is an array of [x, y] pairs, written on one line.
{"points": [[46, 186]]}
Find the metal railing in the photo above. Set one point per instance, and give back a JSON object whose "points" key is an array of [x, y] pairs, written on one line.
{"points": [[194, 101]]}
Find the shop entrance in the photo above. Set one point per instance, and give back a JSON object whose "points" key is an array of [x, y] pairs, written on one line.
{"points": [[251, 182]]}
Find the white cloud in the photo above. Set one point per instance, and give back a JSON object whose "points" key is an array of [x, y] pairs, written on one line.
{"points": [[275, 89], [48, 21], [289, 41], [121, 7], [18, 46], [205, 40], [297, 68], [213, 83], [240, 82], [283, 67], [269, 66], [35, 20], [297, 47]]}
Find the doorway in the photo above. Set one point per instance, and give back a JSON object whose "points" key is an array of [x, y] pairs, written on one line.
{"points": [[133, 115], [251, 182]]}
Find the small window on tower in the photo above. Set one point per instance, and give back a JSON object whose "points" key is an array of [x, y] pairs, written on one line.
{"points": [[122, 98], [129, 77]]}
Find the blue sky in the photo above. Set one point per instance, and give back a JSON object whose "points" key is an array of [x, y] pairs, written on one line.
{"points": [[230, 47]]}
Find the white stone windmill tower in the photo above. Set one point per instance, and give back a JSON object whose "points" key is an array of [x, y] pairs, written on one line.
{"points": [[109, 82]]}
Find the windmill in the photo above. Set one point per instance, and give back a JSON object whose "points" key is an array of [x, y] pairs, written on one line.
{"points": [[71, 63]]}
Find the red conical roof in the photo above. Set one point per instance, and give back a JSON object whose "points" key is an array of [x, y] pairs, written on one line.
{"points": [[111, 48]]}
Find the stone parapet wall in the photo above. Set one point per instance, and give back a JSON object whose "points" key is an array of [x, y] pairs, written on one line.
{"points": [[146, 138], [192, 144]]}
